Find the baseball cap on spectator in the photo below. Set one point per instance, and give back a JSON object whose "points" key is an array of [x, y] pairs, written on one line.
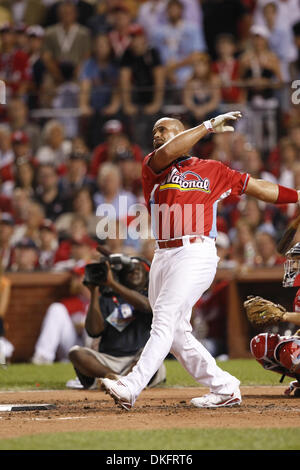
{"points": [[47, 224], [113, 126], [7, 219], [6, 28], [35, 31], [222, 240], [260, 30], [19, 137], [136, 30], [27, 243]]}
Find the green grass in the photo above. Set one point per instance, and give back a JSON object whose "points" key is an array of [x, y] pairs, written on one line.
{"points": [[171, 439], [55, 376]]}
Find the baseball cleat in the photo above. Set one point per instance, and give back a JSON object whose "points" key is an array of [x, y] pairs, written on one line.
{"points": [[215, 400], [118, 391]]}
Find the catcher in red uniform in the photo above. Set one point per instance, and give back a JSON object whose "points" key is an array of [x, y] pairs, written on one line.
{"points": [[281, 354]]}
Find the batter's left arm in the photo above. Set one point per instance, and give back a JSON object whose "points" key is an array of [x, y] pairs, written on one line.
{"points": [[271, 192]]}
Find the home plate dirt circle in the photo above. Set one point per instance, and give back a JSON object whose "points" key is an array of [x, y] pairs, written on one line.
{"points": [[158, 408]]}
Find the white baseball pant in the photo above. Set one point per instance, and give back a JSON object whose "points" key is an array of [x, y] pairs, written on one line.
{"points": [[58, 334], [178, 278]]}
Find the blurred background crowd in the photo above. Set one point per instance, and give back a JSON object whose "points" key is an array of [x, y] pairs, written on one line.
{"points": [[85, 82]]}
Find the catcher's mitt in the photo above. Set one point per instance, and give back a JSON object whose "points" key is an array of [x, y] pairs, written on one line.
{"points": [[261, 312]]}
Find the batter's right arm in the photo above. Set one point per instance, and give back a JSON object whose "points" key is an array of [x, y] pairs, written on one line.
{"points": [[182, 143]]}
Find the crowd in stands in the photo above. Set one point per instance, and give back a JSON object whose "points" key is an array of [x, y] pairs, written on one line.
{"points": [[85, 82]]}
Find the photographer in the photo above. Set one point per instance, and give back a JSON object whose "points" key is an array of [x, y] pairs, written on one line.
{"points": [[120, 315]]}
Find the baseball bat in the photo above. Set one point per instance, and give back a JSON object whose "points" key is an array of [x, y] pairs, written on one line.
{"points": [[287, 238]]}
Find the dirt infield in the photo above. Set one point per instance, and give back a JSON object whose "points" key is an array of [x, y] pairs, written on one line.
{"points": [[155, 409]]}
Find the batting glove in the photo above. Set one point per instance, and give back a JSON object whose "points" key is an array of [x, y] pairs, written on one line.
{"points": [[220, 123]]}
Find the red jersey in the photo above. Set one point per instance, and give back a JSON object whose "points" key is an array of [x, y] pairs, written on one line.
{"points": [[183, 198]]}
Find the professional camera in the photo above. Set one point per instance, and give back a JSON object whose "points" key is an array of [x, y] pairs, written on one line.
{"points": [[96, 273]]}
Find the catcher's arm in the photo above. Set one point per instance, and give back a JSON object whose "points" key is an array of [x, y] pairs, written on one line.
{"points": [[292, 317], [287, 238]]}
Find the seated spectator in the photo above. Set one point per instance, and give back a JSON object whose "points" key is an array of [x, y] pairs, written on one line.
{"points": [[122, 322], [48, 194], [35, 37], [7, 225], [142, 86], [67, 98], [18, 119], [110, 191], [63, 324], [119, 34], [260, 68], [83, 206], [116, 143], [280, 39], [28, 12], [6, 348], [25, 176], [267, 255], [253, 164], [224, 17], [226, 67], [295, 64], [30, 228], [20, 202], [131, 173], [48, 244], [99, 94], [6, 154], [26, 257], [66, 40], [21, 146], [55, 148], [201, 94], [288, 157], [142, 76], [13, 64], [288, 12], [152, 12], [21, 36], [85, 11], [81, 250], [102, 20], [77, 230], [76, 176], [176, 42], [244, 244]]}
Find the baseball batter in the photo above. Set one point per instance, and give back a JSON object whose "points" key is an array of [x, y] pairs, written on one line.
{"points": [[185, 259]]}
